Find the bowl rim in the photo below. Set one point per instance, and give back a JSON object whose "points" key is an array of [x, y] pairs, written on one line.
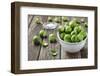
{"points": [[70, 42]]}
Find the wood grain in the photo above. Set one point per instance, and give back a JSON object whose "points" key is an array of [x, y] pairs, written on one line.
{"points": [[30, 18]]}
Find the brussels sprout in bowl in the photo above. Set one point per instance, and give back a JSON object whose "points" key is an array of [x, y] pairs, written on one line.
{"points": [[72, 39], [71, 47]]}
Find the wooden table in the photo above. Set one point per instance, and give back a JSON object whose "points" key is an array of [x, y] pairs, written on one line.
{"points": [[44, 53]]}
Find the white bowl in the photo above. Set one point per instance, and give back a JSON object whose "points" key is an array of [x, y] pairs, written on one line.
{"points": [[71, 47]]}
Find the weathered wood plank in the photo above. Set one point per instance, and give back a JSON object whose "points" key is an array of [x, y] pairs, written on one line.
{"points": [[30, 18], [33, 50], [43, 52]]}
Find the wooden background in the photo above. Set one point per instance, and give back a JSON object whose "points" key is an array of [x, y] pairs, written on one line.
{"points": [[44, 53]]}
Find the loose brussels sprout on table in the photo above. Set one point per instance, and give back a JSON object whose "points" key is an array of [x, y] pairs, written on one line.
{"points": [[64, 19], [44, 44], [38, 20], [57, 19], [78, 21], [36, 40], [50, 19], [53, 52], [73, 32], [82, 20], [43, 34], [52, 38], [85, 24]]}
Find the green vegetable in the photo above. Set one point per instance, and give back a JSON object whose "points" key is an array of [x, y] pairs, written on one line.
{"points": [[67, 38], [50, 19], [80, 37], [74, 38], [82, 20], [85, 24], [44, 44], [74, 32], [36, 40], [52, 38], [73, 23], [65, 19], [53, 52], [78, 29], [78, 22], [61, 29], [62, 36], [43, 34], [65, 24], [83, 33], [68, 29], [57, 19], [38, 20]]}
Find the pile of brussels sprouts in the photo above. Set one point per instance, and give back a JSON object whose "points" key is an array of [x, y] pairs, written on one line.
{"points": [[72, 31]]}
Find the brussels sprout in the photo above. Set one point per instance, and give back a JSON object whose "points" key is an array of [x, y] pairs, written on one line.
{"points": [[67, 38], [61, 29], [73, 23], [57, 19], [65, 24], [43, 34], [50, 19], [52, 38], [74, 32], [78, 22], [65, 19], [44, 44], [82, 20], [38, 20], [62, 35], [83, 33], [78, 29], [80, 37], [53, 52], [68, 29], [73, 38], [85, 24], [36, 40]]}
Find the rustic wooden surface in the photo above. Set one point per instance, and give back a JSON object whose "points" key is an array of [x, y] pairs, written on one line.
{"points": [[44, 53]]}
